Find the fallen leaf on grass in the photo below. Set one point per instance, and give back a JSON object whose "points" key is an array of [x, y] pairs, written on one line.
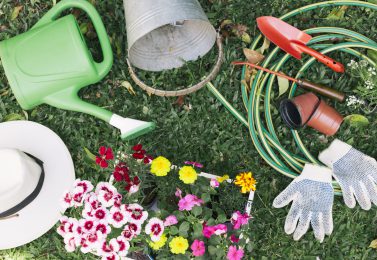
{"points": [[373, 244], [356, 120], [283, 85], [337, 13], [265, 46], [253, 56], [90, 155], [180, 101], [13, 117], [228, 29], [129, 87], [16, 12]]}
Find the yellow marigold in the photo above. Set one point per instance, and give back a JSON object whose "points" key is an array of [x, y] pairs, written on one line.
{"points": [[160, 166], [222, 179], [246, 181], [178, 245], [158, 244], [187, 174]]}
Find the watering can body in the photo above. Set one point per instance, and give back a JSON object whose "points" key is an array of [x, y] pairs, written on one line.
{"points": [[51, 62]]}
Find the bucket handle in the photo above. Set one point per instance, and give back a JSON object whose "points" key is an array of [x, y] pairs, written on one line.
{"points": [[103, 67]]}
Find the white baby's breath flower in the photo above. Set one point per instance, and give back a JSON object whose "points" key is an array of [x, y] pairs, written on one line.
{"points": [[363, 63]]}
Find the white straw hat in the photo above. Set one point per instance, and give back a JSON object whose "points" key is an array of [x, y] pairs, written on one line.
{"points": [[35, 170]]}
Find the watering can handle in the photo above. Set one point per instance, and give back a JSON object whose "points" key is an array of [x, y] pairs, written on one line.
{"points": [[103, 67]]}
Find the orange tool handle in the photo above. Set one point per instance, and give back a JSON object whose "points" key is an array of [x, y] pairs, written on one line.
{"points": [[333, 64]]}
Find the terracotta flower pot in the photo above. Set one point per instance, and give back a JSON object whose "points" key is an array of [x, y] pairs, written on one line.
{"points": [[308, 109]]}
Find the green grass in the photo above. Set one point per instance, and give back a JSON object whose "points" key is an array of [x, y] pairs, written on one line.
{"points": [[207, 133]]}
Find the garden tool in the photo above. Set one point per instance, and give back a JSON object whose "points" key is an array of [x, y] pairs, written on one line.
{"points": [[355, 172], [313, 196], [163, 34], [320, 89], [308, 109], [51, 62], [293, 41]]}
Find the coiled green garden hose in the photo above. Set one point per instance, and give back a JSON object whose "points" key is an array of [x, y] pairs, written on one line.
{"points": [[259, 122]]}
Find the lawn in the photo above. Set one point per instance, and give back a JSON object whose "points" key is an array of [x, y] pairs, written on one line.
{"points": [[200, 130]]}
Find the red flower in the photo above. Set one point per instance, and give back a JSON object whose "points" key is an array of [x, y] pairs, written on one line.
{"points": [[148, 159], [137, 147], [121, 172], [106, 153], [134, 182]]}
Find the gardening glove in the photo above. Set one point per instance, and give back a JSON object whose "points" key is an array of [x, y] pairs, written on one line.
{"points": [[313, 196], [355, 172]]}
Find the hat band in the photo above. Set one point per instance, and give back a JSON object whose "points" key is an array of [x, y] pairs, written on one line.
{"points": [[8, 213]]}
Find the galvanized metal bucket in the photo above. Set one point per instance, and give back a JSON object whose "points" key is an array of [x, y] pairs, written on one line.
{"points": [[163, 34]]}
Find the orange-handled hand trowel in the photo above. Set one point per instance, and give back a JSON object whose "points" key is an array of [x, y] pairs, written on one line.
{"points": [[293, 41]]}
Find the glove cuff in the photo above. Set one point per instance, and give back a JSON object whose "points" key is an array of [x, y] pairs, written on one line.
{"points": [[334, 152], [315, 173]]}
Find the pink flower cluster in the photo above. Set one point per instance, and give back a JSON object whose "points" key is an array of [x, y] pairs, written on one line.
{"points": [[102, 211], [188, 202], [218, 229], [238, 219]]}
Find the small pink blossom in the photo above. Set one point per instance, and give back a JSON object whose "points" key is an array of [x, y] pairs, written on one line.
{"points": [[67, 200], [87, 225], [178, 193], [70, 242], [214, 183], [101, 213], [86, 186], [234, 254], [234, 239], [239, 219], [155, 228], [170, 220], [103, 227], [188, 202], [195, 164], [220, 229], [198, 248]]}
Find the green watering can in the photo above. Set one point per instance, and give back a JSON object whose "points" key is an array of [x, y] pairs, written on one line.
{"points": [[51, 62]]}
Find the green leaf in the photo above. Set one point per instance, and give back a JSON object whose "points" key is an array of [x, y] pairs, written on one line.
{"points": [[183, 228], [90, 155], [197, 210], [84, 28], [373, 244], [198, 230], [222, 218], [356, 120], [373, 1], [283, 85], [206, 197], [13, 117], [372, 54], [16, 12], [212, 250], [173, 230]]}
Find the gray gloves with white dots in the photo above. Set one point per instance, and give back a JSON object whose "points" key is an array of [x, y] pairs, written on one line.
{"points": [[312, 194]]}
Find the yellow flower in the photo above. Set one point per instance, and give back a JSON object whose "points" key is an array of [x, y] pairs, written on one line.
{"points": [[222, 179], [246, 181], [178, 245], [160, 166], [187, 174], [158, 244]]}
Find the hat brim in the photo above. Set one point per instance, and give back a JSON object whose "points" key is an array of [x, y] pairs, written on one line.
{"points": [[44, 212]]}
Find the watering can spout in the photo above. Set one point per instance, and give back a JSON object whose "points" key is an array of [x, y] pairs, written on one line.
{"points": [[68, 100]]}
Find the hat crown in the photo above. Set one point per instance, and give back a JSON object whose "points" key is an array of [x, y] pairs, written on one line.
{"points": [[19, 176]]}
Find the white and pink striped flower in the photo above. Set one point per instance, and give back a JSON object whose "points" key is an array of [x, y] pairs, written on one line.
{"points": [[106, 194], [155, 228], [135, 213], [67, 202], [118, 200], [111, 256], [68, 225], [87, 225], [124, 246], [131, 230], [103, 227], [70, 242], [117, 217], [91, 200], [86, 186], [108, 249], [101, 213]]}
